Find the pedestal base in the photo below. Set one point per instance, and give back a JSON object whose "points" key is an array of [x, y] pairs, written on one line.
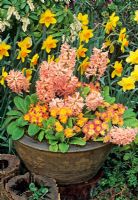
{"points": [[79, 191]]}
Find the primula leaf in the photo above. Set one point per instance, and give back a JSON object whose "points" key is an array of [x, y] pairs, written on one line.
{"points": [[70, 123], [21, 122], [14, 113], [53, 148], [41, 136], [60, 136], [107, 96], [8, 120], [129, 114], [34, 99], [78, 141], [27, 102], [49, 135], [52, 142], [63, 147], [19, 103], [15, 131], [136, 140], [132, 122], [33, 129]]}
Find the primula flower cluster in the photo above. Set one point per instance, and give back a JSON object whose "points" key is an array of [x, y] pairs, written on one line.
{"points": [[36, 114]]}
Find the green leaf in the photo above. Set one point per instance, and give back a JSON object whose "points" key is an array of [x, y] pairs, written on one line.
{"points": [[52, 142], [132, 122], [85, 91], [70, 122], [60, 136], [21, 122], [41, 136], [63, 147], [15, 131], [27, 102], [33, 129], [129, 114], [107, 96], [34, 99], [14, 112], [53, 148], [49, 135], [19, 103], [8, 120], [136, 140], [78, 141]]}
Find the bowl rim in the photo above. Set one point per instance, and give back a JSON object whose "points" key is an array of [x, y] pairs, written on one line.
{"points": [[43, 146]]}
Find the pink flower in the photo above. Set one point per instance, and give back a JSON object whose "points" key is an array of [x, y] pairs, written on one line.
{"points": [[45, 91], [94, 100], [75, 102], [98, 64], [17, 82], [122, 136], [56, 103]]}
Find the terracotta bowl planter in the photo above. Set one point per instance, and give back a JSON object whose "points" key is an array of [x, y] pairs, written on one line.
{"points": [[78, 165], [17, 188]]}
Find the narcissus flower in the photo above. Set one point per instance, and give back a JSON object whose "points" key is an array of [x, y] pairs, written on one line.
{"points": [[47, 18], [127, 83], [134, 74], [86, 34], [26, 43], [84, 65], [117, 69], [81, 52], [112, 23], [27, 73], [136, 16], [3, 76], [133, 57], [49, 44], [122, 34], [4, 50], [83, 19], [23, 53], [125, 43], [34, 60], [109, 44]]}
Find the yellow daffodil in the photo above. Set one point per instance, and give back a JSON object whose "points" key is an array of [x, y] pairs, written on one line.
{"points": [[27, 73], [136, 16], [134, 74], [127, 83], [47, 18], [34, 60], [23, 53], [84, 65], [112, 23], [86, 34], [26, 43], [83, 19], [122, 35], [49, 44], [81, 52], [50, 58], [117, 69], [4, 50], [3, 76], [124, 44], [133, 57], [109, 44]]}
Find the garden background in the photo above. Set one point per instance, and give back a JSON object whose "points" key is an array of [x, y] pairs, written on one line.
{"points": [[19, 19]]}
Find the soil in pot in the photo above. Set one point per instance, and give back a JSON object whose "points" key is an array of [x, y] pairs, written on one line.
{"points": [[18, 188]]}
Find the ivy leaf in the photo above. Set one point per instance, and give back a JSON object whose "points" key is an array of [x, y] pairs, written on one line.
{"points": [[15, 131], [78, 141], [53, 148], [33, 129], [63, 147], [41, 136], [19, 103]]}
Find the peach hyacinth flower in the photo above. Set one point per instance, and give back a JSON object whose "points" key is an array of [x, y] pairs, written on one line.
{"points": [[17, 82], [121, 136], [75, 102], [98, 64], [94, 100]]}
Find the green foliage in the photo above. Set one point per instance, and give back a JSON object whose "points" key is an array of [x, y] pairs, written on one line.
{"points": [[38, 193], [107, 96], [130, 119], [120, 181]]}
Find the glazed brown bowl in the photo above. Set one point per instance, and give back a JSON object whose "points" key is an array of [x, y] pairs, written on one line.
{"points": [[78, 165]]}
